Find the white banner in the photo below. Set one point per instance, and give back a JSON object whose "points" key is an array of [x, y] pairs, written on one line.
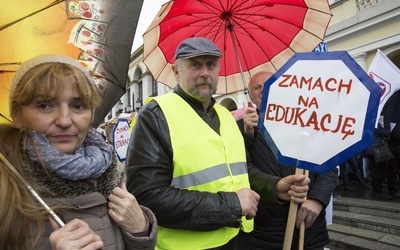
{"points": [[386, 74]]}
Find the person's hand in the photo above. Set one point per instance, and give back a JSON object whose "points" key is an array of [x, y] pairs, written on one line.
{"points": [[76, 234], [292, 188], [125, 210], [250, 120], [248, 202], [308, 212]]}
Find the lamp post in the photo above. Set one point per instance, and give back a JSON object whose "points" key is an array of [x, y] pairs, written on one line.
{"points": [[120, 107], [128, 109], [138, 104]]}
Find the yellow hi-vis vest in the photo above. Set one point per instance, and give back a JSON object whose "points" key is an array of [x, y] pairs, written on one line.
{"points": [[215, 163]]}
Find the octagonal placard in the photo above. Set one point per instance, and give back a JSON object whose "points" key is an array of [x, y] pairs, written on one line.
{"points": [[318, 110], [121, 137]]}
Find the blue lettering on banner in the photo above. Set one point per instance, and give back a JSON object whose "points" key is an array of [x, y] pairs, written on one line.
{"points": [[322, 47]]}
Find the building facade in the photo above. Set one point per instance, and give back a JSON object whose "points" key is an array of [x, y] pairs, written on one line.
{"points": [[358, 26], [362, 26]]}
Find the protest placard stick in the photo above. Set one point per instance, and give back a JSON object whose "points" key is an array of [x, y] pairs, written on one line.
{"points": [[287, 243], [302, 227], [291, 219]]}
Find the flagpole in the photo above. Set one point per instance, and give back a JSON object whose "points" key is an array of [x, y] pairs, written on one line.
{"points": [[33, 192]]}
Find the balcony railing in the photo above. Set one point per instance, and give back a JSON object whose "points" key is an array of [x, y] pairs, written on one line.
{"points": [[364, 4]]}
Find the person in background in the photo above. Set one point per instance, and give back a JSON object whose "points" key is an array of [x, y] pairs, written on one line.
{"points": [[68, 163], [109, 132], [394, 145], [365, 161], [270, 221], [385, 169], [186, 161], [355, 170]]}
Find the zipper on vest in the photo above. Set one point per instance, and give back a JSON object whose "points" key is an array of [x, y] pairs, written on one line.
{"points": [[208, 116], [238, 222]]}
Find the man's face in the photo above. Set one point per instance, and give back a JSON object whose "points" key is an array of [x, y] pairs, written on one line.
{"points": [[256, 86], [198, 76]]}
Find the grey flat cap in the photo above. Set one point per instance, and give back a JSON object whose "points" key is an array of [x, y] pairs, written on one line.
{"points": [[197, 46]]}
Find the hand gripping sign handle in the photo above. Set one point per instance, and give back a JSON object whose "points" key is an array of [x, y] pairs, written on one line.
{"points": [[291, 222], [26, 184]]}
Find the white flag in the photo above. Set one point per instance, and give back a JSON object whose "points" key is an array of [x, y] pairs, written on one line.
{"points": [[387, 75]]}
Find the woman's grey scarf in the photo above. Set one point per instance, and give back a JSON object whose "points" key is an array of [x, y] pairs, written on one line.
{"points": [[90, 160]]}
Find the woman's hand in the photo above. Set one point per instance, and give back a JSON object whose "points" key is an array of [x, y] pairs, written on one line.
{"points": [[125, 210], [76, 234]]}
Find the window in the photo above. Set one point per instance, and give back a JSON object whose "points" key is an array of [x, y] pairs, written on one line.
{"points": [[139, 99], [154, 87]]}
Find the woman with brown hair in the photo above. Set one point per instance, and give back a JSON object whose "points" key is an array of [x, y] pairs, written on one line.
{"points": [[67, 162]]}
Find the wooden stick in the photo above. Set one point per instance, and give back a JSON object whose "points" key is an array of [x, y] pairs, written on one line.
{"points": [[33, 192], [287, 243], [291, 220], [302, 227]]}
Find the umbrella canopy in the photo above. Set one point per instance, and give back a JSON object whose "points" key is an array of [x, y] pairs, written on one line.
{"points": [[254, 35], [238, 113], [99, 33]]}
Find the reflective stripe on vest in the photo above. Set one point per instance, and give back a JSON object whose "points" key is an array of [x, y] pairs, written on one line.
{"points": [[217, 165], [208, 175]]}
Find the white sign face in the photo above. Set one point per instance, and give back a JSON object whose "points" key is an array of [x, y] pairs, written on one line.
{"points": [[313, 110], [121, 136], [317, 104]]}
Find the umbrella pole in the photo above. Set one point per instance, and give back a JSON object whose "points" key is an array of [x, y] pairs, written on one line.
{"points": [[246, 91], [2, 116], [26, 184]]}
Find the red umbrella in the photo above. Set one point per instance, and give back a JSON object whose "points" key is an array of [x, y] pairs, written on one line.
{"points": [[254, 35]]}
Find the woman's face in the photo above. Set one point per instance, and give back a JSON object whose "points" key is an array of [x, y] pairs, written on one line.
{"points": [[63, 119]]}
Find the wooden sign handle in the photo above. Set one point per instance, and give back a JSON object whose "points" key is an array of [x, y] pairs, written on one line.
{"points": [[287, 243]]}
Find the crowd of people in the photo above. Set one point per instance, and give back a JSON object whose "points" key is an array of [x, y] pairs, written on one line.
{"points": [[368, 170], [195, 178]]}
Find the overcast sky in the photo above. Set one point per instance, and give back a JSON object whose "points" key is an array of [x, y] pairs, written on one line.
{"points": [[150, 9]]}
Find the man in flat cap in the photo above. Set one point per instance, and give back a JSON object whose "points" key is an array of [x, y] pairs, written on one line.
{"points": [[187, 161]]}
